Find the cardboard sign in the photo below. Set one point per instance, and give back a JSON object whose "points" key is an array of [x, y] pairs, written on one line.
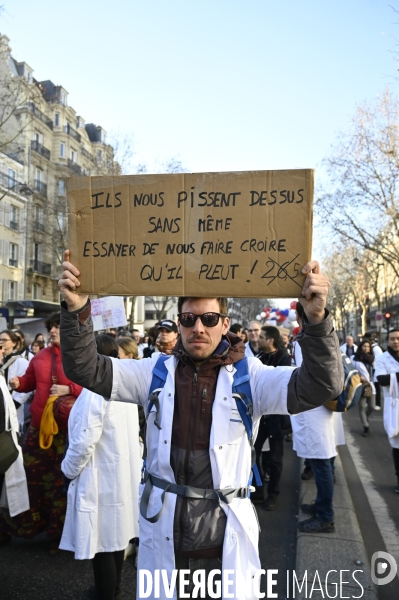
{"points": [[192, 234], [108, 312]]}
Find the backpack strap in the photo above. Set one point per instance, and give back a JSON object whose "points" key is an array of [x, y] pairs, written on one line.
{"points": [[159, 375], [242, 394]]}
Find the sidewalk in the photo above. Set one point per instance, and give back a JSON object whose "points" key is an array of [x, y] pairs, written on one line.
{"points": [[341, 550]]}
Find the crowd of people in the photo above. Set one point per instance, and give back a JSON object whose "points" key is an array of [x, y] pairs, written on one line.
{"points": [[77, 477]]}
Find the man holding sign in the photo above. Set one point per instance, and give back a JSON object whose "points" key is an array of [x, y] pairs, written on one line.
{"points": [[195, 510]]}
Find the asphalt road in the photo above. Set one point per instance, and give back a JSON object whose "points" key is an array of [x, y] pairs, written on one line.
{"points": [[369, 471], [28, 572]]}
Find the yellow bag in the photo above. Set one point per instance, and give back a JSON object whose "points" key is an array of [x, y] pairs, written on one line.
{"points": [[48, 426]]}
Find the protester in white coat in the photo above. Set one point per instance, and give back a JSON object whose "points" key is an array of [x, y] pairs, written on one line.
{"points": [[316, 434], [363, 361], [201, 371], [13, 486], [104, 463], [14, 365], [387, 374]]}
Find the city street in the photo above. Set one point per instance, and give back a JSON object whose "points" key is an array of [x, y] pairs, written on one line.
{"points": [[28, 572]]}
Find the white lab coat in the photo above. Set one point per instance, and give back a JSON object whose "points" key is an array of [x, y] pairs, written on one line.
{"points": [[14, 494], [363, 372], [17, 369], [248, 351], [317, 432], [385, 364], [344, 346], [104, 462], [229, 454]]}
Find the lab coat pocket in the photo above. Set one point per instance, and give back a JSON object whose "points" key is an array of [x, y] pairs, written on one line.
{"points": [[236, 427], [87, 493]]}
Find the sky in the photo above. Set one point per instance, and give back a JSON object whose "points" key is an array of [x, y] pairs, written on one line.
{"points": [[221, 85]]}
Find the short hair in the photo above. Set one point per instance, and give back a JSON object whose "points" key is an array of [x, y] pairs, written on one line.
{"points": [[107, 345], [222, 303], [39, 343], [12, 335], [273, 333], [53, 319], [236, 328], [396, 330], [128, 346]]}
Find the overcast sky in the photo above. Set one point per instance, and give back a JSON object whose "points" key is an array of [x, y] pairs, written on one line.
{"points": [[223, 85]]}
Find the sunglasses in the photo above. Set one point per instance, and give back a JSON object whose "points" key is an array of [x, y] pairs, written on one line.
{"points": [[208, 319]]}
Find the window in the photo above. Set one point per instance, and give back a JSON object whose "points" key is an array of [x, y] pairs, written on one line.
{"points": [[12, 178], [74, 156], [62, 150], [12, 290], [63, 98], [13, 259], [57, 119], [39, 218], [61, 187], [99, 155], [14, 217], [38, 137], [38, 175], [37, 292], [61, 220]]}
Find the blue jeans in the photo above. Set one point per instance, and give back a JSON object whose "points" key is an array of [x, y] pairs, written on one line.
{"points": [[323, 475]]}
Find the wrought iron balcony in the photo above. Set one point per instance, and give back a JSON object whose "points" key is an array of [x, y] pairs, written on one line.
{"points": [[74, 167], [13, 262], [40, 187], [8, 181], [40, 149], [72, 132], [40, 267], [14, 225], [87, 154], [39, 115]]}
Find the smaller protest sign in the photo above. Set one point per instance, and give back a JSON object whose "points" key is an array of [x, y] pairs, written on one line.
{"points": [[108, 312]]}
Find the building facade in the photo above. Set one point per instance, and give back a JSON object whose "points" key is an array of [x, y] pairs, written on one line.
{"points": [[48, 142]]}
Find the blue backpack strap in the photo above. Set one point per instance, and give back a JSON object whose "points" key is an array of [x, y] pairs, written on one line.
{"points": [[159, 375], [243, 396]]}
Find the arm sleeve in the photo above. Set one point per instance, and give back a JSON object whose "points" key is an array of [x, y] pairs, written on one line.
{"points": [[319, 378], [84, 430], [80, 360], [122, 380], [321, 375], [27, 383]]}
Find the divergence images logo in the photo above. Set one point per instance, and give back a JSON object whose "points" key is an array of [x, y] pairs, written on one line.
{"points": [[383, 568]]}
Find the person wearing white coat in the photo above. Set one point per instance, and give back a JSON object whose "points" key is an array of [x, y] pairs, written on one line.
{"points": [[363, 361], [103, 461], [387, 374], [316, 434], [199, 379], [13, 487], [14, 365]]}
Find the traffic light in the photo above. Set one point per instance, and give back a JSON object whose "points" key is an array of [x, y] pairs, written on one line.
{"points": [[387, 317]]}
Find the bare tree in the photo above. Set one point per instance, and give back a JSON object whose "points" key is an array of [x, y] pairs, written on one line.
{"points": [[362, 203], [161, 305]]}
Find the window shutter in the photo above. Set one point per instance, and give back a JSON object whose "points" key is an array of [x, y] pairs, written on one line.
{"points": [[6, 252], [5, 290], [1, 251], [1, 212], [7, 214], [20, 295], [21, 256]]}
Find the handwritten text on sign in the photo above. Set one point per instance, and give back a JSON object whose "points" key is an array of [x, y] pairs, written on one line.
{"points": [[223, 234]]}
